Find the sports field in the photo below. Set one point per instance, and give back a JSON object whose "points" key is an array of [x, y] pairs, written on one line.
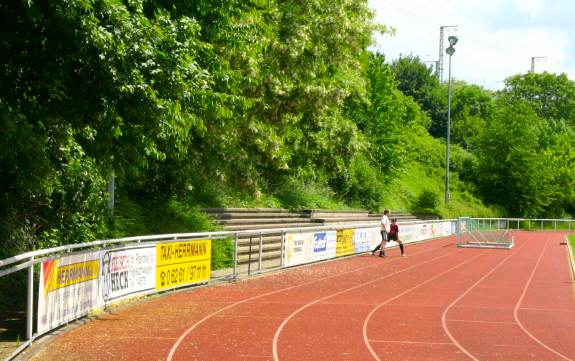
{"points": [[438, 303]]}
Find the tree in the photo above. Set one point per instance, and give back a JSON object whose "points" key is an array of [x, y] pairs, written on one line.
{"points": [[516, 168], [417, 80], [551, 96], [471, 108]]}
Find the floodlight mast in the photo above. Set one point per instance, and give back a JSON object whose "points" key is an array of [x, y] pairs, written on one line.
{"points": [[439, 68], [450, 51], [533, 59]]}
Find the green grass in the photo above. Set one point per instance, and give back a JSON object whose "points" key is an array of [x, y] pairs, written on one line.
{"points": [[571, 238], [415, 179]]}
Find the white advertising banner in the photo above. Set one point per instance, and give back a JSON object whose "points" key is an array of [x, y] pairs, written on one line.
{"points": [[408, 233], [365, 239], [299, 249], [126, 272], [68, 289], [323, 245]]}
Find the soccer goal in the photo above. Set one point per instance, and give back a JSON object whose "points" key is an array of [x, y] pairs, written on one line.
{"points": [[484, 233]]}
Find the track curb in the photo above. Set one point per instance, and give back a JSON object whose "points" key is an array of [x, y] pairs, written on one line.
{"points": [[571, 257]]}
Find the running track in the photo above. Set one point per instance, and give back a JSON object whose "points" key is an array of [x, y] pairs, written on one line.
{"points": [[438, 303]]}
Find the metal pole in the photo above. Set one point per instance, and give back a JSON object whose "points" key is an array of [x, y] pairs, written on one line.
{"points": [[261, 253], [30, 301], [250, 258], [111, 194], [282, 248], [236, 241], [448, 134]]}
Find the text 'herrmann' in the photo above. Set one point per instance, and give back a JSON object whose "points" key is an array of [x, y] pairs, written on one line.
{"points": [[183, 250]]}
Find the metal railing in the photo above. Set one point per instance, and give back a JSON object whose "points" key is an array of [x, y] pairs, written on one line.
{"points": [[531, 223]]}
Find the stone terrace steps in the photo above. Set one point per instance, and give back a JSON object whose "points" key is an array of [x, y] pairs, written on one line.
{"points": [[239, 219]]}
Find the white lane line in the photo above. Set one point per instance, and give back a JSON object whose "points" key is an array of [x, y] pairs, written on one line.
{"points": [[515, 311], [189, 330], [414, 342], [443, 317], [280, 328], [368, 317]]}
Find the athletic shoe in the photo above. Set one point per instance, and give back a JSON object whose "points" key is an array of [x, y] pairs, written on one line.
{"points": [[402, 255], [382, 255]]}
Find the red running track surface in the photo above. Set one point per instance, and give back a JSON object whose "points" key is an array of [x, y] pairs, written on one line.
{"points": [[438, 303]]}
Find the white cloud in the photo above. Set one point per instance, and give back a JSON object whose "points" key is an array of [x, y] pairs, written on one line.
{"points": [[495, 40], [531, 8]]}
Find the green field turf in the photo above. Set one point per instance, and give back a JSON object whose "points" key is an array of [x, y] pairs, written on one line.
{"points": [[572, 243]]}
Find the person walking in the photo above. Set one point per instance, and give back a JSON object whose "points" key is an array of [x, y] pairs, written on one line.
{"points": [[393, 235], [385, 228]]}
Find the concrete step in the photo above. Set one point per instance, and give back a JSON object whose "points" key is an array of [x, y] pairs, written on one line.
{"points": [[263, 221], [246, 215], [255, 241], [249, 227], [355, 220], [266, 248], [245, 210], [322, 213], [268, 256]]}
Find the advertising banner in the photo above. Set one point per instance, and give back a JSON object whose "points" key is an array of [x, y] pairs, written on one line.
{"points": [[126, 272], [298, 249], [68, 289], [408, 233], [344, 242], [362, 240], [183, 263], [324, 245]]}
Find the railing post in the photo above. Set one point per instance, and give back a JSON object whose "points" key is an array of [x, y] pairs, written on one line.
{"points": [[236, 241], [282, 249], [518, 224], [555, 224], [30, 301], [261, 253], [541, 224]]}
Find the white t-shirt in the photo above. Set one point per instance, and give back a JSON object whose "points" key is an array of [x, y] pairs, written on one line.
{"points": [[385, 224]]}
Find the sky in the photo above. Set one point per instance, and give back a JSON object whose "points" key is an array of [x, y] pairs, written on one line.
{"points": [[497, 38]]}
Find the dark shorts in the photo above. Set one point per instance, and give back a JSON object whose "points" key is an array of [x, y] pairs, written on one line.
{"points": [[383, 236], [391, 237]]}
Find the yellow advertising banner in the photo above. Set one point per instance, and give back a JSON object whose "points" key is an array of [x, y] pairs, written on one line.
{"points": [[344, 242], [57, 276], [183, 263]]}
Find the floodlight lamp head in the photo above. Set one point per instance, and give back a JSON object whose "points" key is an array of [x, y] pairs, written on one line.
{"points": [[450, 51], [452, 40]]}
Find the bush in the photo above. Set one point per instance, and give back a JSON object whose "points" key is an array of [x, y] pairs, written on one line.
{"points": [[362, 185], [426, 203]]}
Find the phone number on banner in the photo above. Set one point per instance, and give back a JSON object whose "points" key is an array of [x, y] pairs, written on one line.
{"points": [[182, 274]]}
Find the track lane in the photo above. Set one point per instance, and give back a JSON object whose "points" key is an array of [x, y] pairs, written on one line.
{"points": [[547, 309], [487, 314], [258, 337], [350, 293]]}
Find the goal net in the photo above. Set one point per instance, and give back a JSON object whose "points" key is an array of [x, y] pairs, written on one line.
{"points": [[484, 233]]}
